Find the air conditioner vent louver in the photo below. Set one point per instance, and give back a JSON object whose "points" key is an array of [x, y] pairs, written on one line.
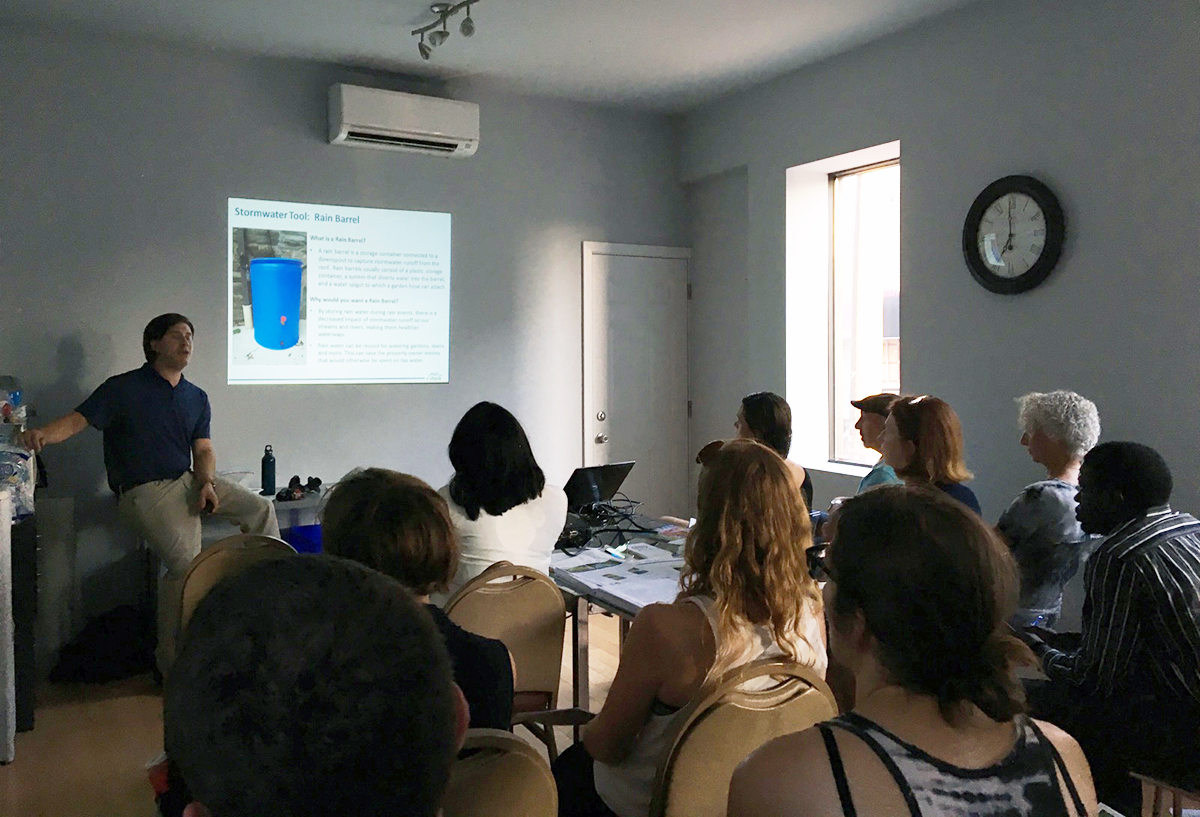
{"points": [[391, 120], [401, 141]]}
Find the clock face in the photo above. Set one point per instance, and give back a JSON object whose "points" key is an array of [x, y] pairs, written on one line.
{"points": [[1011, 235]]}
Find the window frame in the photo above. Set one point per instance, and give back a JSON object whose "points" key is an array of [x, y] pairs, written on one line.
{"points": [[808, 304], [834, 176]]}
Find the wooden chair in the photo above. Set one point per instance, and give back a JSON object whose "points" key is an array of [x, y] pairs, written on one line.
{"points": [[499, 775], [725, 723], [220, 561], [1155, 792], [524, 609]]}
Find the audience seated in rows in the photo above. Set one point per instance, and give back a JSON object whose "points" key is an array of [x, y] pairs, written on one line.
{"points": [[745, 593], [500, 504], [1129, 686], [873, 411], [400, 526], [313, 686], [1057, 428], [918, 595], [923, 441]]}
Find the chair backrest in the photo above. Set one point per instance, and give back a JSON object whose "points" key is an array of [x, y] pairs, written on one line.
{"points": [[725, 723], [499, 775], [219, 561], [524, 609]]}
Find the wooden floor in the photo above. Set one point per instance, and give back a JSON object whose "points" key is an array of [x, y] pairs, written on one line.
{"points": [[86, 755]]}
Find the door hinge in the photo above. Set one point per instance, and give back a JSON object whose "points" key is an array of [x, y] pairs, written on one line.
{"points": [[689, 409], [689, 292]]}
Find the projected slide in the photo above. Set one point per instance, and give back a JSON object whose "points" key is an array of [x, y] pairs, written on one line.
{"points": [[325, 294]]}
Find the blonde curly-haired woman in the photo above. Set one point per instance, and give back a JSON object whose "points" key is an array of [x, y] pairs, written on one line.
{"points": [[745, 593]]}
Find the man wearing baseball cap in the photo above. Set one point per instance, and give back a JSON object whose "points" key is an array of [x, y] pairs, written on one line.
{"points": [[874, 410]]}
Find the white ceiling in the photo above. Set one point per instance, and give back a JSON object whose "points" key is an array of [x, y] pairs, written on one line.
{"points": [[663, 54]]}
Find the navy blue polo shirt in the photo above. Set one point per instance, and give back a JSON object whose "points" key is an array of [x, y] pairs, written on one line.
{"points": [[148, 424]]}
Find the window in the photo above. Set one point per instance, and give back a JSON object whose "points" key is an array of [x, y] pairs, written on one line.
{"points": [[865, 328], [842, 299]]}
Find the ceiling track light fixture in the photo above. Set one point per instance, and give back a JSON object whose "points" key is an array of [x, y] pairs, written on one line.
{"points": [[438, 30]]}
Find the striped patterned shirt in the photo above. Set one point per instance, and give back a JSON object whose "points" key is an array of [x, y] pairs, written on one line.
{"points": [[1141, 615]]}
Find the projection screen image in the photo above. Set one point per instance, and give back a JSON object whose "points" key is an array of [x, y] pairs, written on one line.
{"points": [[328, 294]]}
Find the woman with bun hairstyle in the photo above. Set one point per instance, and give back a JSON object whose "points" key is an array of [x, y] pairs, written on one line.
{"points": [[918, 595], [923, 442]]}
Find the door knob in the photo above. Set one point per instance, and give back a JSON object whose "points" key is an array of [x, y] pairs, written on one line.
{"points": [[601, 438]]}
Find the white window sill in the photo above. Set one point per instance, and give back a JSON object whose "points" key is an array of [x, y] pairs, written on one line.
{"points": [[843, 468]]}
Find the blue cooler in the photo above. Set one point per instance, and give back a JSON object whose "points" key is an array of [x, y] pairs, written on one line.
{"points": [[304, 538]]}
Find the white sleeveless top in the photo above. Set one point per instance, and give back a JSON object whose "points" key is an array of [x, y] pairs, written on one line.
{"points": [[627, 787], [524, 535]]}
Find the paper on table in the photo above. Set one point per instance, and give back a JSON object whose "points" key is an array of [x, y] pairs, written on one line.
{"points": [[646, 592], [637, 573], [581, 561], [646, 552]]}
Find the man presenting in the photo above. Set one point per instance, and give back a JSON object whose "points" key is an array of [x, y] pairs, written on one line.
{"points": [[160, 460], [1129, 691]]}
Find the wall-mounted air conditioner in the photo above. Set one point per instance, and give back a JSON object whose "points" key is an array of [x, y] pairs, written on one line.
{"points": [[390, 120]]}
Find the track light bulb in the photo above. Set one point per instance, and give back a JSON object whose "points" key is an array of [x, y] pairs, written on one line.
{"points": [[436, 38], [467, 26], [423, 47]]}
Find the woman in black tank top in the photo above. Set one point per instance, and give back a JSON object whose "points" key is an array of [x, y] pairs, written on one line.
{"points": [[918, 592]]}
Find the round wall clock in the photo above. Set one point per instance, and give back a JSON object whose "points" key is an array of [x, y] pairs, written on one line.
{"points": [[1013, 234]]}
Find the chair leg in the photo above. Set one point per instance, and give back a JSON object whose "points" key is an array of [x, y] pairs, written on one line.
{"points": [[545, 734]]}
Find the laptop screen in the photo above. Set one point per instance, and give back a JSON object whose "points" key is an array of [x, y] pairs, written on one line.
{"points": [[596, 483]]}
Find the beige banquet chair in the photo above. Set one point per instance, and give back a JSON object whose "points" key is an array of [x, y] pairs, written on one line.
{"points": [[524, 609], [499, 775], [218, 562], [725, 723]]}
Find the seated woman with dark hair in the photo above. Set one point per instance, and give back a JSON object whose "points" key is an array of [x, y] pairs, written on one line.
{"points": [[745, 593], [767, 418], [500, 504], [918, 594], [398, 525], [923, 441]]}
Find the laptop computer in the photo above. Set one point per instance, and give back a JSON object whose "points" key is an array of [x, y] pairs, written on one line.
{"points": [[596, 483]]}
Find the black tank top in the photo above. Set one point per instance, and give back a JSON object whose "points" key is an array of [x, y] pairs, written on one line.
{"points": [[1023, 783]]}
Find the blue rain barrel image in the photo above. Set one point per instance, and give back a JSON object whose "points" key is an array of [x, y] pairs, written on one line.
{"points": [[275, 301]]}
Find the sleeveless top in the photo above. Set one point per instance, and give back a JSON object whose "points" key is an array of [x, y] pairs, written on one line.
{"points": [[1023, 783], [628, 786]]}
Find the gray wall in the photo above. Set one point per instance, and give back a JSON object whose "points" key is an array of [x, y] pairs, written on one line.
{"points": [[717, 378], [117, 159], [1099, 98]]}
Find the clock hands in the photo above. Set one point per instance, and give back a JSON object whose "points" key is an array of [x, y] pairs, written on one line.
{"points": [[1008, 245]]}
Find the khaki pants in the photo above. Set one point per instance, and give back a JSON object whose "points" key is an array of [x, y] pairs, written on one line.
{"points": [[164, 513]]}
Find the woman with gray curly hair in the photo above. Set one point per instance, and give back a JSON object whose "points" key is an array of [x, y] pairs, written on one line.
{"points": [[1058, 428]]}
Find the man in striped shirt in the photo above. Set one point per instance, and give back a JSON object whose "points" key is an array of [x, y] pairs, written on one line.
{"points": [[1130, 690]]}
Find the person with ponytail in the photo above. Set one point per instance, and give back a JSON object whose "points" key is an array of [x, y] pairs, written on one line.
{"points": [[918, 594], [746, 593]]}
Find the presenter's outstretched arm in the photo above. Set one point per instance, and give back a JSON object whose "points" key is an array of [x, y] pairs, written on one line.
{"points": [[65, 427], [204, 466]]}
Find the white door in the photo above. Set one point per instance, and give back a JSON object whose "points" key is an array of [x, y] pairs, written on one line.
{"points": [[635, 384]]}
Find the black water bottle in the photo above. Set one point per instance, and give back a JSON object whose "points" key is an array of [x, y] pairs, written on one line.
{"points": [[268, 472]]}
